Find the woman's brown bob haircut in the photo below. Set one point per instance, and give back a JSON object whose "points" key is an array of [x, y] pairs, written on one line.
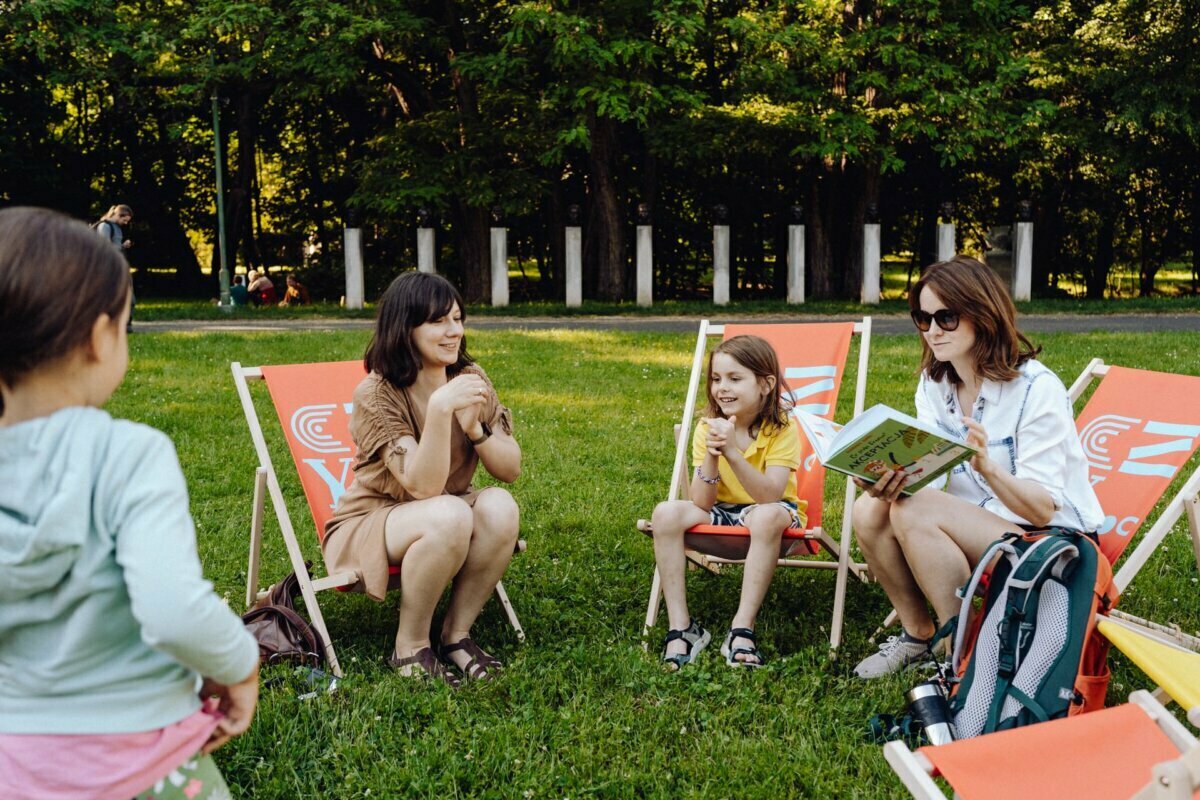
{"points": [[413, 299], [755, 354], [970, 288], [57, 276]]}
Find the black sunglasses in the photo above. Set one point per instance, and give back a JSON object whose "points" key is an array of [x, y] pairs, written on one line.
{"points": [[946, 319]]}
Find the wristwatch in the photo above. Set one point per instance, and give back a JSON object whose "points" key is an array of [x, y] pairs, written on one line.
{"points": [[487, 433]]}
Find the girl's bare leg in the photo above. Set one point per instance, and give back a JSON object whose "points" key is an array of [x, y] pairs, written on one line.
{"points": [[670, 520], [767, 524]]}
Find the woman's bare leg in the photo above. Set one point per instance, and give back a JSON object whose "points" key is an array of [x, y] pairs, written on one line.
{"points": [[888, 563], [428, 539], [943, 537], [496, 524], [670, 520]]}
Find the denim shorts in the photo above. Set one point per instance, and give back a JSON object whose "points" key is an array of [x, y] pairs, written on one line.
{"points": [[735, 513]]}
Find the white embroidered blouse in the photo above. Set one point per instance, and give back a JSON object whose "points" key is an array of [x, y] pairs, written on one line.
{"points": [[1031, 433]]}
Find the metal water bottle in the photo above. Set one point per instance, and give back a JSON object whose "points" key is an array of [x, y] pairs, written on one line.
{"points": [[927, 703]]}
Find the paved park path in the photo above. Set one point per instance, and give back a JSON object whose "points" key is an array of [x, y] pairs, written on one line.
{"points": [[883, 324]]}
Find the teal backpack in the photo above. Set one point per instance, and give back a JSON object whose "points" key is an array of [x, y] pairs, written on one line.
{"points": [[1033, 652]]}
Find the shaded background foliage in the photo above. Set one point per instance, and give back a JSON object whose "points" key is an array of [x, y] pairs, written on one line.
{"points": [[337, 112]]}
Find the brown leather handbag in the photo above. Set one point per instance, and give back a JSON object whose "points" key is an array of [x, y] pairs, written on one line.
{"points": [[282, 634]]}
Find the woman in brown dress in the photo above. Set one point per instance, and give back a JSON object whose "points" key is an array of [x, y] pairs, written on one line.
{"points": [[424, 417]]}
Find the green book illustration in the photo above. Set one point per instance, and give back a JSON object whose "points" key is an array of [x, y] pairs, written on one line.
{"points": [[882, 438]]}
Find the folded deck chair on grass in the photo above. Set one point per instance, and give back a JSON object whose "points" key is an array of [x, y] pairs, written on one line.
{"points": [[314, 402], [813, 359], [1111, 754], [1138, 429], [1175, 669]]}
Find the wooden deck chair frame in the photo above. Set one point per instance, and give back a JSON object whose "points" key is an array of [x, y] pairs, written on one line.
{"points": [[1185, 502], [266, 482], [678, 488], [916, 770]]}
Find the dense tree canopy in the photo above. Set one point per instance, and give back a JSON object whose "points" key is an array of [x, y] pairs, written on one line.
{"points": [[367, 110]]}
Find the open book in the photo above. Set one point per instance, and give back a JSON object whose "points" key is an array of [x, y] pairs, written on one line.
{"points": [[882, 438]]}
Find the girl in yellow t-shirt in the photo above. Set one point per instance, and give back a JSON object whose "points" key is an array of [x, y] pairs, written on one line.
{"points": [[745, 451]]}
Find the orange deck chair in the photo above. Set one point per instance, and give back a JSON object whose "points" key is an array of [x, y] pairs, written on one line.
{"points": [[1111, 754], [813, 359], [313, 402], [1138, 429]]}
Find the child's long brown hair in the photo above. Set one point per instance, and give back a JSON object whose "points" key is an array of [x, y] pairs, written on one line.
{"points": [[755, 354]]}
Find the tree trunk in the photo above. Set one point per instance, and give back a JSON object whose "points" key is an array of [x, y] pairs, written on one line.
{"points": [[604, 246], [819, 255], [472, 232], [246, 172], [1196, 235], [554, 220], [237, 201], [837, 205], [1049, 261], [178, 246], [1097, 277], [1146, 261]]}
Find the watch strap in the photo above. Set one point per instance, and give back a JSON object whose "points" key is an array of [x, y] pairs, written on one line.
{"points": [[487, 434]]}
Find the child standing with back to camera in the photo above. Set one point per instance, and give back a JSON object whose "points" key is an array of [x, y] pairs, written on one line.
{"points": [[745, 452], [110, 637]]}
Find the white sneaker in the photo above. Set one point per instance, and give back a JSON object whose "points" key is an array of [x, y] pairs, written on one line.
{"points": [[897, 653]]}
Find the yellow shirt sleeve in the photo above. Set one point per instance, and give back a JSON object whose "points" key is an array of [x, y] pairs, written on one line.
{"points": [[783, 448], [699, 437]]}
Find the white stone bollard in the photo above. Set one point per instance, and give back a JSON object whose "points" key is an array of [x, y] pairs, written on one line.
{"points": [[426, 241], [721, 265], [795, 264], [1022, 258], [352, 245], [499, 267], [645, 265], [574, 258], [945, 241], [870, 257]]}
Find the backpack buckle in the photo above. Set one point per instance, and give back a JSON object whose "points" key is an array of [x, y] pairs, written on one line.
{"points": [[1024, 634]]}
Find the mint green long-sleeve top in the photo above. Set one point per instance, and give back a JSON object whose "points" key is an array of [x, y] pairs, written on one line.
{"points": [[106, 623]]}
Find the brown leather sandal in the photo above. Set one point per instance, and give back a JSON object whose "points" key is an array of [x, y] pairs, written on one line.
{"points": [[430, 666], [482, 666]]}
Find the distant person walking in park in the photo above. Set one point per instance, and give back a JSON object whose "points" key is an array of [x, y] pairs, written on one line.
{"points": [[112, 227], [296, 294], [260, 288], [238, 292], [121, 669], [981, 381], [424, 417]]}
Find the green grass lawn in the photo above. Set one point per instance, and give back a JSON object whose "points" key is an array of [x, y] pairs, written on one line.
{"points": [[581, 710]]}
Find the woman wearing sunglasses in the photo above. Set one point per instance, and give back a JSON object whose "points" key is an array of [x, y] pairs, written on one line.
{"points": [[980, 380]]}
